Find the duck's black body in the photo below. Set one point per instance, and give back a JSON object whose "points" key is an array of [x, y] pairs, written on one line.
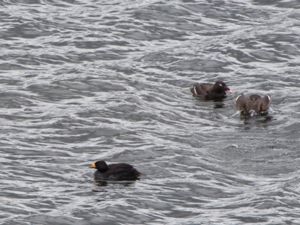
{"points": [[216, 91], [114, 172], [252, 105]]}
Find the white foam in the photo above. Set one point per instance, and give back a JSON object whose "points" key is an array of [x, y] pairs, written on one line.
{"points": [[236, 114]]}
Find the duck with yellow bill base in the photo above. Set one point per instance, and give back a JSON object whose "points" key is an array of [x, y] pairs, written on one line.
{"points": [[114, 172]]}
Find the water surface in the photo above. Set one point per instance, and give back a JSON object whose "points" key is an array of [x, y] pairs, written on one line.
{"points": [[88, 80]]}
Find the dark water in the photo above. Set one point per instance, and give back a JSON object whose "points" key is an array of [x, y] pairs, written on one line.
{"points": [[87, 80]]}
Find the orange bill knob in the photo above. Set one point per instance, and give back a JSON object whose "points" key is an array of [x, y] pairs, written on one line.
{"points": [[93, 165]]}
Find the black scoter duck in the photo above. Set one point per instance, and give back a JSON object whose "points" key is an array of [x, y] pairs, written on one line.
{"points": [[114, 172], [216, 91]]}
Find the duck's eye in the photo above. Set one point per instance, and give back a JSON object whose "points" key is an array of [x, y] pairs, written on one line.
{"points": [[220, 85]]}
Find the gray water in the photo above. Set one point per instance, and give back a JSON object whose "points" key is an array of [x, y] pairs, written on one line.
{"points": [[84, 80]]}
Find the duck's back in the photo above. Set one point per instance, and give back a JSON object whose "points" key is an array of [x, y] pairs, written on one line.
{"points": [[118, 172], [201, 89], [254, 102]]}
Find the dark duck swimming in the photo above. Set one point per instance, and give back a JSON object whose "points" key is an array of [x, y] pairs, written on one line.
{"points": [[216, 91], [114, 172]]}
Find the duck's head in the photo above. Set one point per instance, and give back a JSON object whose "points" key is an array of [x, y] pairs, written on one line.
{"points": [[100, 166], [220, 86]]}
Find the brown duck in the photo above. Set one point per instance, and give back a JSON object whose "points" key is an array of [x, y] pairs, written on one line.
{"points": [[253, 105]]}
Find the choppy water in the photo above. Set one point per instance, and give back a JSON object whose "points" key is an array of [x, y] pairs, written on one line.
{"points": [[83, 80]]}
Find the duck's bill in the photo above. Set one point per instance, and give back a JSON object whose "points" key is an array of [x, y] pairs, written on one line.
{"points": [[93, 165]]}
